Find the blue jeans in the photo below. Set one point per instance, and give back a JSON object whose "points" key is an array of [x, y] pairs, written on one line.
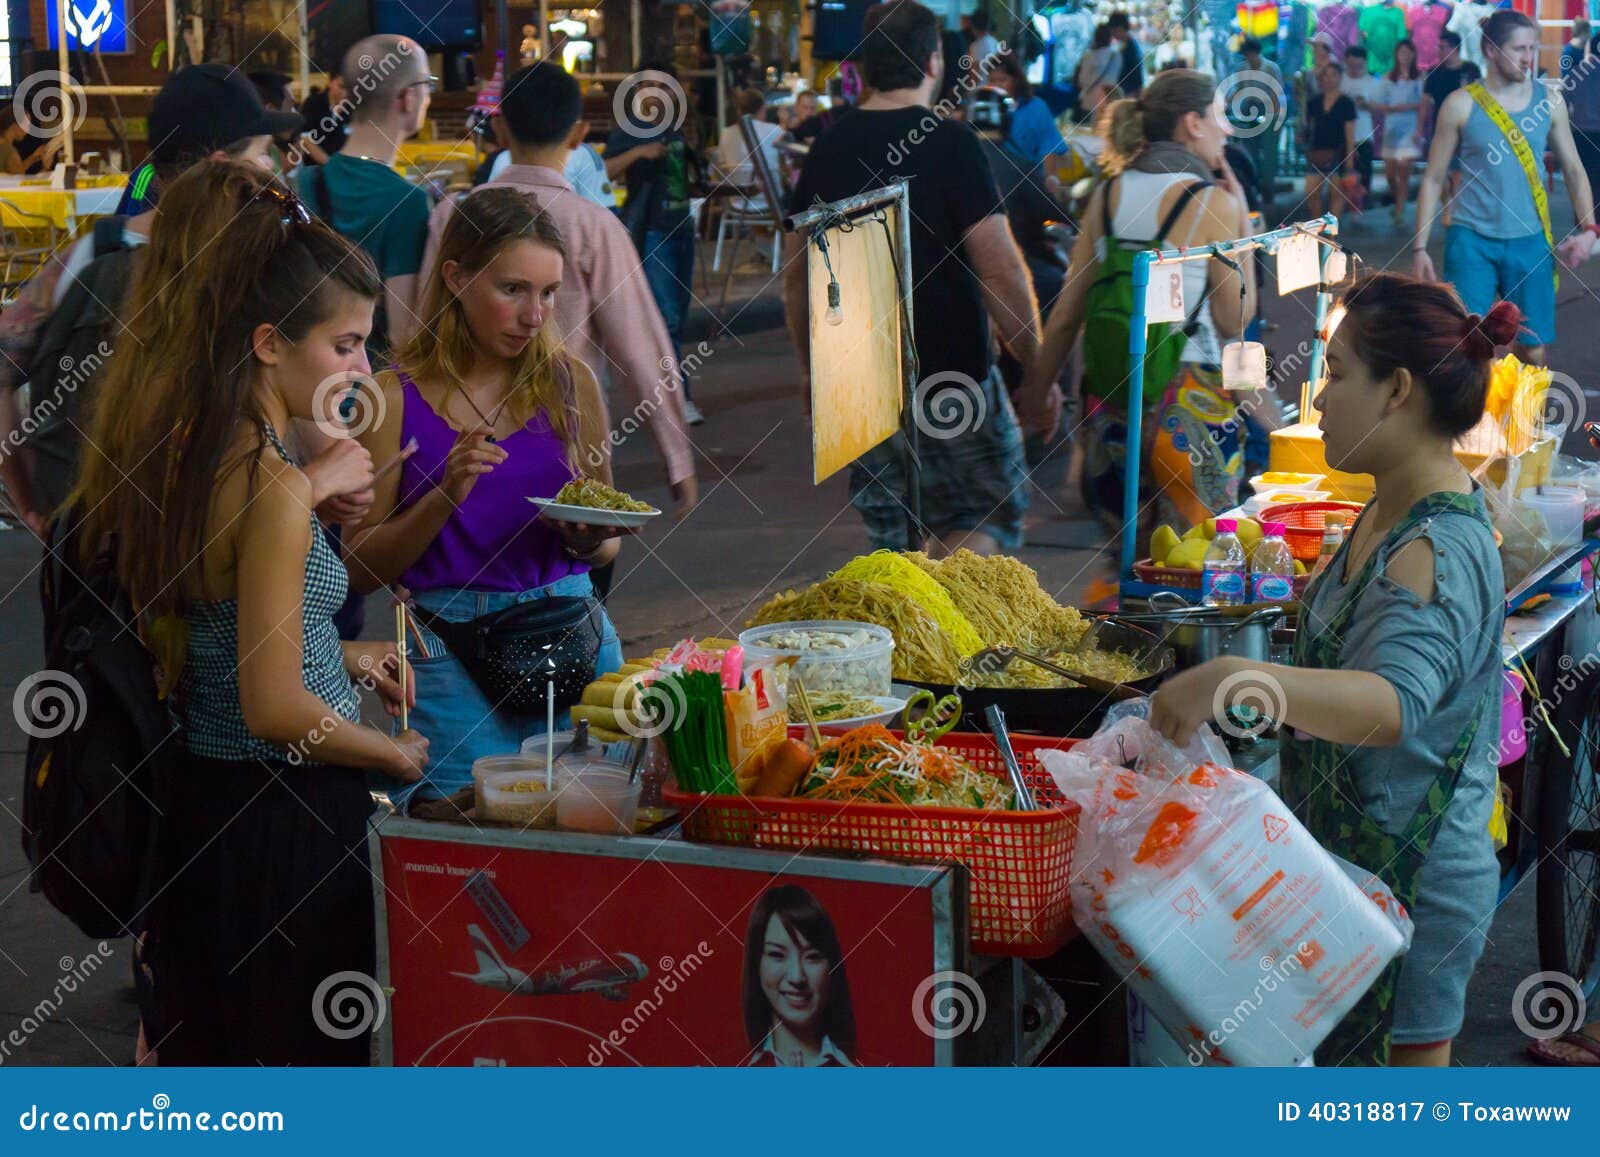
{"points": [[669, 268], [460, 723]]}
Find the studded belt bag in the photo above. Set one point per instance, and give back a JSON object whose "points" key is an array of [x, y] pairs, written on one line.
{"points": [[514, 654]]}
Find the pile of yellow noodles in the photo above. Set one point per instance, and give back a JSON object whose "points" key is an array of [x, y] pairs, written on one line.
{"points": [[1002, 598], [922, 651], [903, 575], [942, 611]]}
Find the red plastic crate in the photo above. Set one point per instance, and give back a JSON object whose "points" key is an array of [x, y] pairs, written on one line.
{"points": [[1304, 523], [1018, 863]]}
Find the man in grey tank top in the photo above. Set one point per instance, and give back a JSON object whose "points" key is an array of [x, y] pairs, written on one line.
{"points": [[1499, 244]]}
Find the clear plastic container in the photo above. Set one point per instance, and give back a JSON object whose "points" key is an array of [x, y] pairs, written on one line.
{"points": [[528, 763], [599, 800], [521, 797], [863, 666]]}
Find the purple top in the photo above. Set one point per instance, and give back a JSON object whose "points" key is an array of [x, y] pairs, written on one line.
{"points": [[494, 541]]}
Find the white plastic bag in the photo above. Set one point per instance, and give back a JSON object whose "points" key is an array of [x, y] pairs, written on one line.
{"points": [[1241, 934]]}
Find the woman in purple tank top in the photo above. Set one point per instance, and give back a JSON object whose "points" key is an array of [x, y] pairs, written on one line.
{"points": [[487, 411]]}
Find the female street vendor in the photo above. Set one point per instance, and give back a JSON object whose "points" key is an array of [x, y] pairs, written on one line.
{"points": [[1387, 741]]}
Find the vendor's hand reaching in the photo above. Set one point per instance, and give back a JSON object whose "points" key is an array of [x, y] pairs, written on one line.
{"points": [[1190, 699], [472, 455]]}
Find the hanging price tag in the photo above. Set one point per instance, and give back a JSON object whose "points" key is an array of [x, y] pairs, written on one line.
{"points": [[1163, 297], [1297, 263]]}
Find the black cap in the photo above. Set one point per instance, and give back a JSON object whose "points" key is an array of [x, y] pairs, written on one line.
{"points": [[206, 107]]}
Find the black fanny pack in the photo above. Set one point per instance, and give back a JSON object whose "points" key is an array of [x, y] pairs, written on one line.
{"points": [[514, 654]]}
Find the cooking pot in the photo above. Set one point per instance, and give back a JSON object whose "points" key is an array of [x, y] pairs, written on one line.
{"points": [[1200, 634]]}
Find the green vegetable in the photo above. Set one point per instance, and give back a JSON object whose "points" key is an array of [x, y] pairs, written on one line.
{"points": [[689, 704]]}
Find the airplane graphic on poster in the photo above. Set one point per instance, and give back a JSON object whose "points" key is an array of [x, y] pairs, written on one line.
{"points": [[609, 976]]}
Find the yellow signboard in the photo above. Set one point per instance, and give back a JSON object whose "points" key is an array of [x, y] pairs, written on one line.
{"points": [[857, 383]]}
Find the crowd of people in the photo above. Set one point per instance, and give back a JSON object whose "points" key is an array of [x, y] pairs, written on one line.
{"points": [[246, 528]]}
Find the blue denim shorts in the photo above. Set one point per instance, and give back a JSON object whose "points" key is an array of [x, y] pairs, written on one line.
{"points": [[452, 711], [1520, 269]]}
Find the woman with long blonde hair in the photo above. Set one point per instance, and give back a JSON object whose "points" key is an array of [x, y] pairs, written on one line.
{"points": [[243, 305], [492, 412]]}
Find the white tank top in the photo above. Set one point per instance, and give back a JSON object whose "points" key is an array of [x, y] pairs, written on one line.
{"points": [[1137, 218]]}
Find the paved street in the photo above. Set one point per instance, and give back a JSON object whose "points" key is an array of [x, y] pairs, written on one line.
{"points": [[761, 528]]}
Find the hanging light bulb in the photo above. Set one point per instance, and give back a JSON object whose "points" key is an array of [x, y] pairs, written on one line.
{"points": [[834, 315]]}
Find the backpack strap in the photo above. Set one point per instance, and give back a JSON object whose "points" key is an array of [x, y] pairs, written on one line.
{"points": [[108, 235], [1105, 211], [1188, 194]]}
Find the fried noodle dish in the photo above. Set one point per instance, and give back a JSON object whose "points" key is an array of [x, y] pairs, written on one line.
{"points": [[869, 765]]}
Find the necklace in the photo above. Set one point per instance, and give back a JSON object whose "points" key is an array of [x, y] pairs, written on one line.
{"points": [[487, 420]]}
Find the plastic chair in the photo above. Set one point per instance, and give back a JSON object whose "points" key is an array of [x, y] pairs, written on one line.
{"points": [[741, 217]]}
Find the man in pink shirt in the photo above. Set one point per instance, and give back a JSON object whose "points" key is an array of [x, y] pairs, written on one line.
{"points": [[604, 309]]}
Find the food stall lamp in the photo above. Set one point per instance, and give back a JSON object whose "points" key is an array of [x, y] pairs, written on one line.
{"points": [[834, 315]]}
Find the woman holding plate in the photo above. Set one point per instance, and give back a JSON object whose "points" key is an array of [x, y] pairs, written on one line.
{"points": [[498, 414]]}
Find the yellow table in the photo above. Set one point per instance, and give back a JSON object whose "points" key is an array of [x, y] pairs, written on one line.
{"points": [[436, 152], [65, 208]]}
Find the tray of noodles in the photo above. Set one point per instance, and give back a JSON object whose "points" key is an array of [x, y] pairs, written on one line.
{"points": [[1018, 862], [943, 611]]}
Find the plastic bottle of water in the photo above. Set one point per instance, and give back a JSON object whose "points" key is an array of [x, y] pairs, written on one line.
{"points": [[1222, 575], [1272, 567]]}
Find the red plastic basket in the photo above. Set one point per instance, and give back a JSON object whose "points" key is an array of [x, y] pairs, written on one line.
{"points": [[1018, 863], [1303, 524]]}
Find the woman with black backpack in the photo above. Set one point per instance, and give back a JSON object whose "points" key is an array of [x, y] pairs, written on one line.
{"points": [[264, 893]]}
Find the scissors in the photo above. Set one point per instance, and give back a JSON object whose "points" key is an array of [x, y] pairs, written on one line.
{"points": [[927, 719]]}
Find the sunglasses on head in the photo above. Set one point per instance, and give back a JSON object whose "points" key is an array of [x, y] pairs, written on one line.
{"points": [[293, 209]]}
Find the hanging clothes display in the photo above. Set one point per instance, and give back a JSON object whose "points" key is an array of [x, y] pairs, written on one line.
{"points": [[1426, 21], [1339, 27], [1259, 19], [1294, 34], [1464, 22], [1383, 25]]}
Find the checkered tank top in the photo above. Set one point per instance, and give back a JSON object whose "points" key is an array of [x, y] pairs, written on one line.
{"points": [[207, 706]]}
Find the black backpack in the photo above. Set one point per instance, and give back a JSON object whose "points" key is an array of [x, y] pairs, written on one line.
{"points": [[99, 740], [74, 349]]}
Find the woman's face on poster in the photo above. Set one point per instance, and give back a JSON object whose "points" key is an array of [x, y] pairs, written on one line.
{"points": [[794, 976]]}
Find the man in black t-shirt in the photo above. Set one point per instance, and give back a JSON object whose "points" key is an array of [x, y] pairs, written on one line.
{"points": [[964, 267], [1448, 75]]}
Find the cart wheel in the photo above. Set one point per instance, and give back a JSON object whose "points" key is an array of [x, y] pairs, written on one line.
{"points": [[1569, 843]]}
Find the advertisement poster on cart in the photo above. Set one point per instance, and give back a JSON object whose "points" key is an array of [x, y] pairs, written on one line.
{"points": [[510, 956]]}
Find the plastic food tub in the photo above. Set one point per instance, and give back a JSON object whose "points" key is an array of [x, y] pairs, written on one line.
{"points": [[526, 764], [864, 668], [520, 797], [600, 799]]}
